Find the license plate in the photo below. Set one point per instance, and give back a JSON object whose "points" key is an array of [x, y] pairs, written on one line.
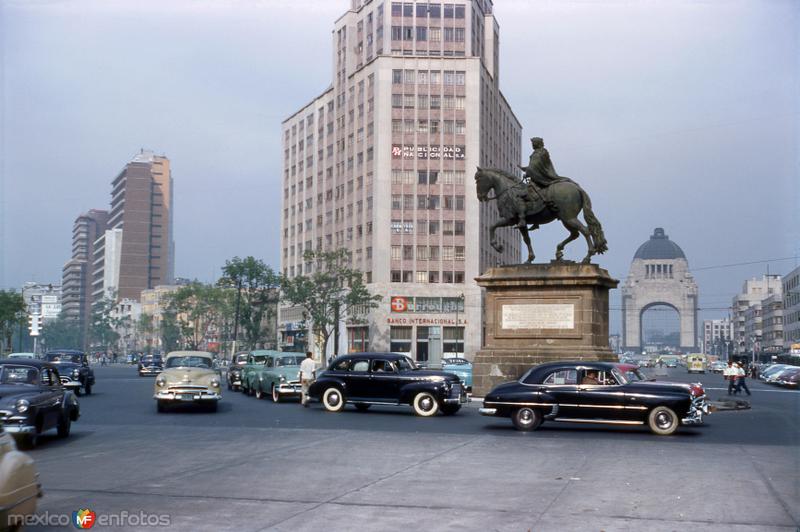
{"points": [[186, 397]]}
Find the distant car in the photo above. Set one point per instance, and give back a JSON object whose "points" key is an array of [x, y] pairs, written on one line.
{"points": [[789, 377], [365, 379], [567, 391], [278, 377], [19, 484], [188, 377], [28, 356], [234, 377], [33, 400], [72, 366], [717, 367], [150, 365], [771, 371], [255, 359], [461, 367]]}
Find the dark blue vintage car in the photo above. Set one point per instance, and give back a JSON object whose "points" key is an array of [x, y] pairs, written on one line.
{"points": [[365, 379], [595, 392], [73, 366]]}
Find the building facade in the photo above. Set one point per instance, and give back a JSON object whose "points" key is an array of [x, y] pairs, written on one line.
{"points": [[772, 324], [718, 337], [154, 302], [136, 252], [76, 276], [382, 164], [747, 332], [659, 275], [791, 310], [42, 299]]}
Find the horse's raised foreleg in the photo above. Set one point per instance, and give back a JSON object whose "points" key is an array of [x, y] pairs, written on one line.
{"points": [[575, 228], [526, 237], [492, 238]]}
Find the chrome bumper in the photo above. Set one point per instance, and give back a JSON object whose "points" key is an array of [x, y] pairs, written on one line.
{"points": [[184, 396], [698, 409], [289, 388], [20, 429], [487, 411]]}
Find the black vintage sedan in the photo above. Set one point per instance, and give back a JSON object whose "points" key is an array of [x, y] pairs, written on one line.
{"points": [[595, 392], [72, 366], [33, 400], [366, 379], [150, 365]]}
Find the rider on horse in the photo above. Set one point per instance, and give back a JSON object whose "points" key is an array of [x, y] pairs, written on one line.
{"points": [[539, 174]]}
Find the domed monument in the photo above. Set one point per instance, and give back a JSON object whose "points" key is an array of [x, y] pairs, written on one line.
{"points": [[659, 275]]}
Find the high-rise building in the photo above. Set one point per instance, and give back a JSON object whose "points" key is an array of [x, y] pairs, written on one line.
{"points": [[747, 321], [136, 252], [382, 163], [772, 324], [717, 337], [76, 275], [791, 310]]}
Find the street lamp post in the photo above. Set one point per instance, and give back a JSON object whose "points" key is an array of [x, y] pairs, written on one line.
{"points": [[459, 302], [236, 317]]}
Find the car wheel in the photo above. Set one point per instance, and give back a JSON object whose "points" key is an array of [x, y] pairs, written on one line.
{"points": [[425, 404], [259, 393], [663, 421], [276, 397], [28, 442], [333, 399], [64, 425], [362, 407], [526, 418], [161, 406], [212, 406], [88, 389], [449, 410]]}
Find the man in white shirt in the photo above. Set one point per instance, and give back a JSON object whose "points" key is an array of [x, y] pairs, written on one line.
{"points": [[740, 379], [308, 371], [730, 375]]}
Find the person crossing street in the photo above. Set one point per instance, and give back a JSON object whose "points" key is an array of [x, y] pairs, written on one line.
{"points": [[741, 375], [308, 371], [729, 374]]}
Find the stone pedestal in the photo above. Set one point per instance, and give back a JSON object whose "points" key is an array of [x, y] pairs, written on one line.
{"points": [[536, 313]]}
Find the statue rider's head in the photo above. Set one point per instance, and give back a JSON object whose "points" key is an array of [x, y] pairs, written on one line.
{"points": [[537, 143]]}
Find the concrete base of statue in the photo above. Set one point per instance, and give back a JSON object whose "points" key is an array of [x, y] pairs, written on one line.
{"points": [[536, 313]]}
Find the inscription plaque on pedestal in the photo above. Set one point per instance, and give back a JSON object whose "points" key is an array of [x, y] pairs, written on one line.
{"points": [[538, 316]]}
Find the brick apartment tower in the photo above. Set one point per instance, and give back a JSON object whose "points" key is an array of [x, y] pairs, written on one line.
{"points": [[136, 252], [382, 163], [76, 280]]}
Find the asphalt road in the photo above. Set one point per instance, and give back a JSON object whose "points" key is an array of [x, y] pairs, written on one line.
{"points": [[255, 465]]}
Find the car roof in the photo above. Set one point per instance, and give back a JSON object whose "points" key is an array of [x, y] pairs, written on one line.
{"points": [[538, 371], [264, 352], [63, 352], [190, 353], [378, 355], [28, 362]]}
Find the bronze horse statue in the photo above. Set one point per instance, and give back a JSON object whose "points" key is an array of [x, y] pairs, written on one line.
{"points": [[566, 196]]}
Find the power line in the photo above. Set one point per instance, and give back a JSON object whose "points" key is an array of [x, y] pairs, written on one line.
{"points": [[720, 266]]}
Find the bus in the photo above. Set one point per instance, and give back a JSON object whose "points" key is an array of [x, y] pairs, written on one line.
{"points": [[696, 363]]}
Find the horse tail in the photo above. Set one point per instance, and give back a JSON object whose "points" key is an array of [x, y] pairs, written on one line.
{"points": [[595, 229]]}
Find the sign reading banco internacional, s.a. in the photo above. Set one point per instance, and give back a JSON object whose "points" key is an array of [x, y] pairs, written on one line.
{"points": [[538, 316], [426, 305], [407, 151]]}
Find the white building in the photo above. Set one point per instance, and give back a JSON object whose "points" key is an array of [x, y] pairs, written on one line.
{"points": [[791, 309], [382, 163], [106, 265], [718, 337], [747, 333]]}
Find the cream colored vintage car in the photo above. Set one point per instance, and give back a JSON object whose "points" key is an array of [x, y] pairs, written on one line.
{"points": [[19, 486], [188, 377]]}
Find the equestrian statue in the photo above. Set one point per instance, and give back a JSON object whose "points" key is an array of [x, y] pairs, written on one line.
{"points": [[540, 197]]}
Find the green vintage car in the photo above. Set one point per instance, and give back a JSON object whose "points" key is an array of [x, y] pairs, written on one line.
{"points": [[277, 377], [255, 359]]}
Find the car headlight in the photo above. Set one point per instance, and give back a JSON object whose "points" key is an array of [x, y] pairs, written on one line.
{"points": [[215, 383], [283, 378], [76, 372], [161, 381], [22, 405]]}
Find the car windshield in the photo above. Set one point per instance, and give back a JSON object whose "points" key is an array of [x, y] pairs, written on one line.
{"points": [[405, 364], [189, 361], [455, 362], [150, 359], [63, 357], [13, 374], [259, 359], [288, 361], [241, 359], [633, 375]]}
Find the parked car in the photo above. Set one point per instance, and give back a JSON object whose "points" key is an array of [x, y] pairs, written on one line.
{"points": [[595, 392], [789, 377], [19, 484], [234, 376], [72, 366], [33, 400], [775, 375], [255, 359], [461, 367], [30, 356], [771, 371], [188, 377], [365, 379], [278, 377], [150, 365]]}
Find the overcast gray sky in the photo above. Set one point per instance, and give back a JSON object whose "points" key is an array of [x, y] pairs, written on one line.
{"points": [[674, 113]]}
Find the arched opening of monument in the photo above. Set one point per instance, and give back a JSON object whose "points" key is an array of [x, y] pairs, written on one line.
{"points": [[661, 328]]}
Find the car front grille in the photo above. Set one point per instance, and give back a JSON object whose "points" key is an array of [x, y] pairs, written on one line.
{"points": [[186, 387], [64, 379], [455, 390]]}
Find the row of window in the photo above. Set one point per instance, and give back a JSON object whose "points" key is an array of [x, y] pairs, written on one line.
{"points": [[452, 339], [407, 276], [406, 202], [427, 177], [425, 9], [428, 252], [428, 77], [425, 101], [424, 33], [451, 127], [429, 227]]}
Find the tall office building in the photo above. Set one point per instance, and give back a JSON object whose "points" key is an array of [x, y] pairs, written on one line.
{"points": [[747, 320], [136, 251], [76, 274], [382, 164]]}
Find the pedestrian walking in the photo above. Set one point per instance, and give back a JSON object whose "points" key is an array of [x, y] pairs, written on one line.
{"points": [[741, 375], [729, 374], [308, 371]]}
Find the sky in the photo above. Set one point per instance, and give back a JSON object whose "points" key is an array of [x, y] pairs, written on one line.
{"points": [[670, 113]]}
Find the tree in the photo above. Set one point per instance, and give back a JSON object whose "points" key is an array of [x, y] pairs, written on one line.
{"points": [[331, 291], [199, 311], [62, 333], [170, 331], [12, 315], [103, 325], [257, 286], [145, 330]]}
